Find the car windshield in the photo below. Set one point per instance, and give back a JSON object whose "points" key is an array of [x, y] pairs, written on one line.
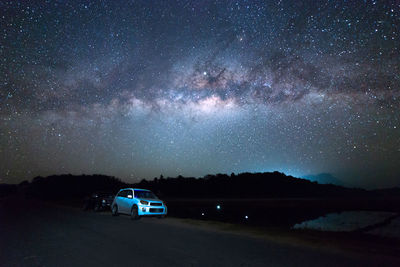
{"points": [[144, 194]]}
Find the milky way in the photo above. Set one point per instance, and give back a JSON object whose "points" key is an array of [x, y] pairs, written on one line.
{"points": [[136, 89]]}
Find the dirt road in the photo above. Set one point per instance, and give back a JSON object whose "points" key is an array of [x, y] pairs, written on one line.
{"points": [[38, 234]]}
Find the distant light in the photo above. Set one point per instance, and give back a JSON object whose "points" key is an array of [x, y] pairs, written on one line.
{"points": [[204, 73], [202, 214], [246, 217], [218, 207]]}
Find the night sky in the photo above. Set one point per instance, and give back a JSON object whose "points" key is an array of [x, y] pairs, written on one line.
{"points": [[136, 89]]}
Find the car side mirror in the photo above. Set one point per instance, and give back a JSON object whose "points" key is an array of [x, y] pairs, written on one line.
{"points": [[130, 196]]}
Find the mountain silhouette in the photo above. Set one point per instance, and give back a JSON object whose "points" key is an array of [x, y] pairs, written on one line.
{"points": [[323, 178]]}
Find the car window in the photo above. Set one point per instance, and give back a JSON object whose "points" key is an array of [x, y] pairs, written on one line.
{"points": [[129, 192], [123, 193], [144, 194]]}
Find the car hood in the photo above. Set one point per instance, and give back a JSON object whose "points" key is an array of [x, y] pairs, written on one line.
{"points": [[151, 199]]}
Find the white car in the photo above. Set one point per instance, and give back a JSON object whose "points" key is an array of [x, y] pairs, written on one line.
{"points": [[138, 202]]}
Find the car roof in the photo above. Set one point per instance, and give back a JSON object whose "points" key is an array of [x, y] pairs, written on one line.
{"points": [[135, 189]]}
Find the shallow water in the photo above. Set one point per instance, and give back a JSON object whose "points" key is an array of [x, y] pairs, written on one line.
{"points": [[345, 221]]}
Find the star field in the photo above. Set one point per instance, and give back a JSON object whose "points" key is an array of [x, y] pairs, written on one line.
{"points": [[136, 89]]}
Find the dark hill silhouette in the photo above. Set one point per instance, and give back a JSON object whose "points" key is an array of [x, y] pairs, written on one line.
{"points": [[323, 178], [71, 186], [244, 185], [7, 189], [395, 191]]}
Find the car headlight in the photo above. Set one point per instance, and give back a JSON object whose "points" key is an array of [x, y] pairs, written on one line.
{"points": [[144, 202], [104, 201]]}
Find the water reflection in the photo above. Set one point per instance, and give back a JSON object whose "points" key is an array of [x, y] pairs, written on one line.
{"points": [[345, 221]]}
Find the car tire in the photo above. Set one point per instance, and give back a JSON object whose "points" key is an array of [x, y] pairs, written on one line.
{"points": [[134, 213], [114, 210]]}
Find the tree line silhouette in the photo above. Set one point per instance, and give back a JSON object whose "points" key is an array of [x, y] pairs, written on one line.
{"points": [[243, 185]]}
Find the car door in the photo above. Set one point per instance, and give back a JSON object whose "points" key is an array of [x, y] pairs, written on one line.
{"points": [[121, 201], [128, 201]]}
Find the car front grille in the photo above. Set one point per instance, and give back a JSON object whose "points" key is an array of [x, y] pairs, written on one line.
{"points": [[156, 210], [155, 204]]}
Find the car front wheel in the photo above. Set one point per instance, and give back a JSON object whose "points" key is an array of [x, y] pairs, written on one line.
{"points": [[134, 213], [114, 210]]}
